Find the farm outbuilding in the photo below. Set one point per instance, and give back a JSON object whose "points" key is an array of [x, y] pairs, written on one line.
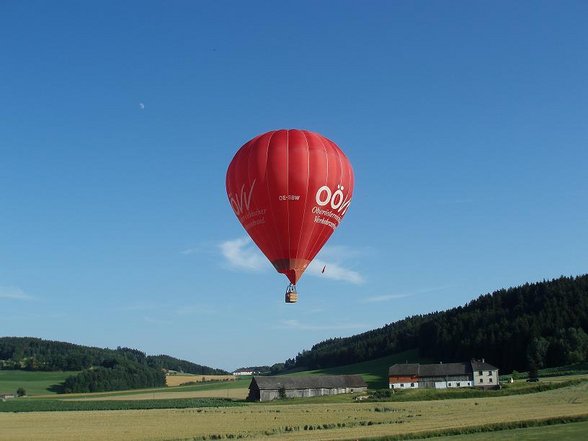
{"points": [[270, 388], [473, 373]]}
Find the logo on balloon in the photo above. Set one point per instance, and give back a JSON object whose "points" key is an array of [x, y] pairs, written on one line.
{"points": [[336, 200], [241, 202], [328, 201]]}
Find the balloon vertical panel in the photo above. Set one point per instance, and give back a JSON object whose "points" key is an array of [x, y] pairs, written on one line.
{"points": [[298, 179]]}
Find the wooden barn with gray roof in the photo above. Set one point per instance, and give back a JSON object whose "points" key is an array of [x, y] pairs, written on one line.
{"points": [[475, 373], [270, 388]]}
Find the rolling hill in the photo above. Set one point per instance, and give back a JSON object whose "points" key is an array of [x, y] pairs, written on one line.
{"points": [[93, 369], [529, 327], [36, 354]]}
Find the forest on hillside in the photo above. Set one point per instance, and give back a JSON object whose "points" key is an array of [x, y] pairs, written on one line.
{"points": [[36, 354], [94, 369], [529, 327]]}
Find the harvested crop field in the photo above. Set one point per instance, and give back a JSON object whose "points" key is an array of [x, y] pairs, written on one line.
{"points": [[179, 379], [335, 421]]}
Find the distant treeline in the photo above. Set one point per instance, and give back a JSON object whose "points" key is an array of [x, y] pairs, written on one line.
{"points": [[36, 354], [257, 369], [524, 328], [101, 369]]}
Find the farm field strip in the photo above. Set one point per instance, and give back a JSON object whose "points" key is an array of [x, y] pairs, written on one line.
{"points": [[179, 379], [337, 421], [560, 432], [232, 393]]}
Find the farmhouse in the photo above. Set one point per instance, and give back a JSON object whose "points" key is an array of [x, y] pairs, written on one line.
{"points": [[243, 372], [270, 388], [6, 396], [474, 373]]}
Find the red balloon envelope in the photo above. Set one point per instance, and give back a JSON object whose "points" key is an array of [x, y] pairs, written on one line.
{"points": [[290, 190]]}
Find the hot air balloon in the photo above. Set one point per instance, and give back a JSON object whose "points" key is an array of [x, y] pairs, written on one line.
{"points": [[290, 189]]}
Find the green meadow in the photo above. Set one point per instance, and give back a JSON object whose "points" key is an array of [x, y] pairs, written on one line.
{"points": [[374, 372], [559, 432], [539, 431], [34, 383]]}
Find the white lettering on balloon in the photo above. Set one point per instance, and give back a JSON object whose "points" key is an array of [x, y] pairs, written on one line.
{"points": [[241, 203], [332, 206], [289, 197]]}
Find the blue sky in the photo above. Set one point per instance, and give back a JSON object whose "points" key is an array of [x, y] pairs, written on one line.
{"points": [[466, 124]]}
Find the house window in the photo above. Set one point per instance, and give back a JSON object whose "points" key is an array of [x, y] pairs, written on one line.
{"points": [[411, 384], [449, 384], [481, 373], [402, 385], [481, 380], [489, 372], [490, 380], [458, 384]]}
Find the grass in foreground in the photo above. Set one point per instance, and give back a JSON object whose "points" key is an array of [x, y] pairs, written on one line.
{"points": [[559, 432], [560, 429]]}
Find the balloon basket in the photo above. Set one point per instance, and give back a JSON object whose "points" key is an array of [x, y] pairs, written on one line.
{"points": [[291, 294]]}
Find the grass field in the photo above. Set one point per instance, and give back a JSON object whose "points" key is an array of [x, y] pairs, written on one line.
{"points": [[374, 372], [201, 412], [35, 383], [305, 421], [558, 432]]}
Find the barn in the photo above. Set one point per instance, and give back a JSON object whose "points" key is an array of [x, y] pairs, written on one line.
{"points": [[270, 388], [475, 373]]}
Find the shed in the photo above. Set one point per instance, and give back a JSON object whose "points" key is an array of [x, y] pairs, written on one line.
{"points": [[270, 388]]}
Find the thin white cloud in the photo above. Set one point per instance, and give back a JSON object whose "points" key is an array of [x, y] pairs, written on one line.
{"points": [[386, 298], [389, 297], [241, 254], [299, 326], [188, 310], [330, 252], [334, 271], [13, 293], [140, 307], [200, 248], [157, 321]]}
